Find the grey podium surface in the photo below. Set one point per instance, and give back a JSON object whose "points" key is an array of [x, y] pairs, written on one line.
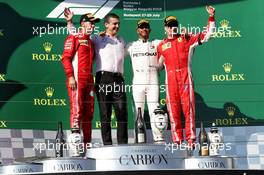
{"points": [[68, 164], [136, 157], [209, 162], [18, 168]]}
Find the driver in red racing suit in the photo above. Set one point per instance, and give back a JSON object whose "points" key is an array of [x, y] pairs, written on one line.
{"points": [[176, 51], [77, 60]]}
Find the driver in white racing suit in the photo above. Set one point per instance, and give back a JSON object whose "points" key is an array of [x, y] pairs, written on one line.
{"points": [[145, 65]]}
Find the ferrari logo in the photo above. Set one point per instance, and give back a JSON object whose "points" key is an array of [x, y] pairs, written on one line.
{"points": [[180, 39]]}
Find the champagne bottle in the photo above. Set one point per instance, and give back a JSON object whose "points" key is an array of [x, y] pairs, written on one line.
{"points": [[203, 140], [140, 128], [59, 141]]}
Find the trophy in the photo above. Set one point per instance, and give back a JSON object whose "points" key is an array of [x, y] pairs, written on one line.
{"points": [[159, 122], [215, 140]]}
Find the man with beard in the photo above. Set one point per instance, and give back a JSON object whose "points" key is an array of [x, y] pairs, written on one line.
{"points": [[109, 57]]}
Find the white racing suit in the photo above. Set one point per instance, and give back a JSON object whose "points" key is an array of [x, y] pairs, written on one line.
{"points": [[145, 81]]}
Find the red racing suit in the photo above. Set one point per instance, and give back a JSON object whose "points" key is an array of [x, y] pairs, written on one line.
{"points": [[77, 60], [177, 54]]}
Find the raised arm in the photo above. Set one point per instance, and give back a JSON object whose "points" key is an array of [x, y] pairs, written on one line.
{"points": [[203, 37], [68, 15]]}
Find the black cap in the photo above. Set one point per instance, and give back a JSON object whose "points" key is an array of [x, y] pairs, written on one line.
{"points": [[143, 22], [89, 17], [171, 21]]}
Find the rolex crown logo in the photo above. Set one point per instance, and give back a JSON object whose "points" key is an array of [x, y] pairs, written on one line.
{"points": [[49, 91], [224, 24], [227, 67], [47, 47], [230, 111]]}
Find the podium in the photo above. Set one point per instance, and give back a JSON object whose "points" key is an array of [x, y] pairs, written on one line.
{"points": [[133, 157]]}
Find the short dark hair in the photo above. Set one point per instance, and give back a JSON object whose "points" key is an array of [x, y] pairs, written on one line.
{"points": [[110, 15]]}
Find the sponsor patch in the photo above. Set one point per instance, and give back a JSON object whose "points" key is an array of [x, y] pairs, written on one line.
{"points": [[166, 46], [83, 42], [68, 45]]}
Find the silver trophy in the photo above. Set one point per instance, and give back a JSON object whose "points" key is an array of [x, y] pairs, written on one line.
{"points": [[159, 123], [215, 140]]}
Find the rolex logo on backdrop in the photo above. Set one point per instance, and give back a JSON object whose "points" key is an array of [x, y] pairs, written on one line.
{"points": [[47, 55], [228, 74], [227, 67], [49, 99], [226, 31], [3, 124], [49, 91], [113, 121], [232, 118], [47, 47], [2, 77], [230, 111]]}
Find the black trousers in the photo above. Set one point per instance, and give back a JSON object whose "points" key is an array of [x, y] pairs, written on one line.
{"points": [[110, 92]]}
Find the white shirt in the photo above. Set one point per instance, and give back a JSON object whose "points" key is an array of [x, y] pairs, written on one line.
{"points": [[109, 53]]}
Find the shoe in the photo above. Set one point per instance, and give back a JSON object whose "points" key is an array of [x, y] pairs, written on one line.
{"points": [[75, 144], [191, 144], [178, 142], [159, 142]]}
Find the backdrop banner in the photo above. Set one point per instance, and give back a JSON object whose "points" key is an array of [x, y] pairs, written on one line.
{"points": [[227, 71]]}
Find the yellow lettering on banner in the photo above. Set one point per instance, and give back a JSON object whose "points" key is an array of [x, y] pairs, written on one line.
{"points": [[215, 78], [229, 121], [228, 77], [2, 77], [113, 124], [97, 124], [34, 56], [49, 102], [46, 57], [3, 124], [227, 34]]}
